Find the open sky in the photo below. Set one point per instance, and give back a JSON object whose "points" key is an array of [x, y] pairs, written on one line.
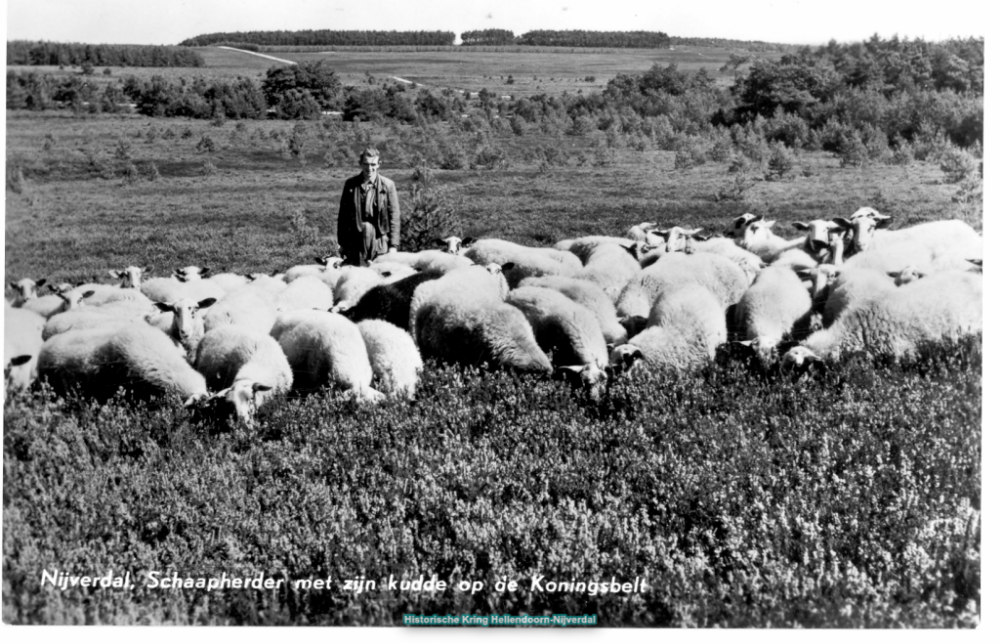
{"points": [[787, 21]]}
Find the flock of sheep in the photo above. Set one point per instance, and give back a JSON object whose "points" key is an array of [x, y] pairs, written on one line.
{"points": [[589, 309]]}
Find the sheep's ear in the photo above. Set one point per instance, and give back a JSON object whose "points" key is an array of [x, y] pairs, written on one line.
{"points": [[204, 271], [205, 303], [842, 222], [13, 286], [976, 262], [320, 260], [167, 308], [274, 272], [701, 237], [633, 250], [754, 217], [806, 272], [146, 269], [894, 273], [820, 244], [39, 283], [468, 241], [87, 294], [510, 265], [257, 387], [798, 225], [883, 222], [19, 360]]}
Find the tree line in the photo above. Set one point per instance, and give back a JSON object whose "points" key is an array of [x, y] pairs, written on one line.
{"points": [[25, 52], [878, 96], [324, 37]]}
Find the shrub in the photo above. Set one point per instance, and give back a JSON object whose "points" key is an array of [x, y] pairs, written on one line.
{"points": [[208, 168], [781, 164], [853, 152], [452, 155], [206, 144], [123, 150], [130, 173], [902, 154], [15, 178], [429, 213], [149, 171], [958, 165], [492, 157], [302, 231]]}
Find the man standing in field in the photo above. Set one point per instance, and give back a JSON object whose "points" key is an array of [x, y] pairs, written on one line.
{"points": [[368, 222]]}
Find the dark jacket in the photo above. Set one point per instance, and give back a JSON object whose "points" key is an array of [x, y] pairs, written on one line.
{"points": [[386, 210]]}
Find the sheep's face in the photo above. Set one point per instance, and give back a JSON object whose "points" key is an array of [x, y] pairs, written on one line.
{"points": [[821, 276], [131, 277], [453, 245], [818, 233], [757, 232], [243, 398], [624, 357], [592, 378], [737, 227], [797, 357], [864, 231], [766, 349], [867, 212], [188, 325], [331, 262], [907, 275], [73, 299], [677, 239], [25, 289], [11, 369]]}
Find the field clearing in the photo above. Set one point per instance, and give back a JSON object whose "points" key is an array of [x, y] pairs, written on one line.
{"points": [[551, 72]]}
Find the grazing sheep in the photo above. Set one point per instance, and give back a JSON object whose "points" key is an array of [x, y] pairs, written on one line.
{"points": [[327, 349], [390, 302], [395, 360], [686, 325], [820, 236], [228, 281], [930, 247], [245, 367], [25, 290], [434, 261], [305, 292], [134, 356], [521, 261], [584, 247], [473, 283], [326, 269], [569, 331], [721, 276], [777, 304], [477, 330], [853, 287], [48, 305], [354, 282], [611, 266], [944, 305], [589, 295], [22, 341], [250, 306], [681, 240]]}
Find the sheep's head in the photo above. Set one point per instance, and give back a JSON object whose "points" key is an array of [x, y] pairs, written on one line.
{"points": [[453, 245], [977, 265], [131, 277], [818, 233], [676, 239], [799, 357], [736, 228], [765, 348], [73, 299], [188, 326], [757, 231], [820, 277], [863, 230], [25, 289], [592, 378], [243, 399], [330, 262], [191, 273], [868, 212], [623, 358]]}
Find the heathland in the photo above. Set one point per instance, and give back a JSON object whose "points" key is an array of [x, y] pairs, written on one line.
{"points": [[742, 497]]}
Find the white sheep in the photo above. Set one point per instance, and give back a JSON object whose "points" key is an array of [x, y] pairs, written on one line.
{"points": [[931, 246], [250, 306], [569, 331], [454, 245], [25, 290], [228, 281], [684, 240], [473, 283], [437, 262], [520, 261], [353, 283], [326, 269], [776, 305], [395, 360], [130, 278], [186, 322], [474, 330], [589, 295], [305, 292], [583, 247], [134, 356], [326, 350], [611, 266], [246, 368], [737, 226], [759, 238], [687, 323], [191, 273], [944, 305], [639, 231], [853, 287], [168, 289], [22, 341], [721, 276]]}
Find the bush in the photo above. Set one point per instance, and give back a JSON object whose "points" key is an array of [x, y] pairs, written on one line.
{"points": [[853, 152], [958, 165], [123, 150], [130, 173], [303, 232], [206, 145], [429, 213], [781, 164], [492, 157], [902, 154], [208, 168], [15, 178], [149, 171]]}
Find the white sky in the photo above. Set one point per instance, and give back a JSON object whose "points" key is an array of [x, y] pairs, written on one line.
{"points": [[787, 21]]}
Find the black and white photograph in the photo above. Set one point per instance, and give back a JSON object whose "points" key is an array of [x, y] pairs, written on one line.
{"points": [[471, 315]]}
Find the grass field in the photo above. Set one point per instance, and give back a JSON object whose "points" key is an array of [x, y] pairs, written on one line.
{"points": [[536, 72], [848, 498]]}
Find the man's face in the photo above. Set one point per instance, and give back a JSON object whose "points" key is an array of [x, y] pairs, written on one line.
{"points": [[369, 167]]}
